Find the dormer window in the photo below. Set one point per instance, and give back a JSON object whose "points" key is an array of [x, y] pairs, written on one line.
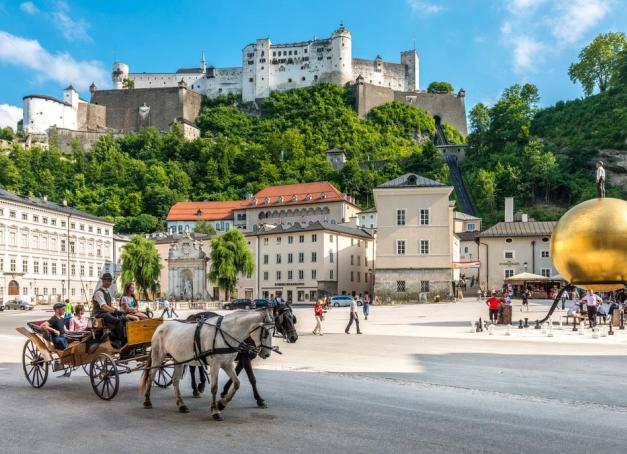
{"points": [[308, 197], [294, 198], [266, 200], [254, 202], [280, 199], [199, 212], [323, 196]]}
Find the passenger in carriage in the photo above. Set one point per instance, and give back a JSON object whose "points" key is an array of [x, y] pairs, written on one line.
{"points": [[102, 308], [129, 303], [80, 320], [56, 326]]}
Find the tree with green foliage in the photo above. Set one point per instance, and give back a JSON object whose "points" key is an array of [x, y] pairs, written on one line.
{"points": [[204, 227], [142, 223], [598, 61], [141, 264], [440, 87], [7, 133], [128, 84], [230, 256]]}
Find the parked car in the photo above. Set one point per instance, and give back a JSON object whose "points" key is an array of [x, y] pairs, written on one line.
{"points": [[18, 304], [242, 303], [2, 306], [343, 300], [262, 302]]}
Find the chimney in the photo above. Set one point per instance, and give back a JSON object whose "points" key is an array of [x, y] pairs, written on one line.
{"points": [[509, 209], [525, 217], [45, 198], [64, 202], [353, 221]]}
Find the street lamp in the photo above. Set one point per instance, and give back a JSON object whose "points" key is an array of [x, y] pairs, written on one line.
{"points": [[525, 265]]}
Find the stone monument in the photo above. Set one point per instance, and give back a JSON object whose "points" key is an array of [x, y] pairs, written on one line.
{"points": [[187, 269]]}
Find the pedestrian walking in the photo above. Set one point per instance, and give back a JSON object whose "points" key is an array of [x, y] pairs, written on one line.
{"points": [[353, 318], [366, 305], [172, 308], [318, 314], [166, 308], [563, 299], [592, 302], [493, 304], [525, 300]]}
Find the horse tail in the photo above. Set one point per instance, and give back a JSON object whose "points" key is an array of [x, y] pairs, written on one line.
{"points": [[145, 379]]}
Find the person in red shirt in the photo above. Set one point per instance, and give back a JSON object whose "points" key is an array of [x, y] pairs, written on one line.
{"points": [[318, 313], [493, 304]]}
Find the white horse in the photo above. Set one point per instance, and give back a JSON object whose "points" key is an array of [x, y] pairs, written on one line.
{"points": [[221, 344]]}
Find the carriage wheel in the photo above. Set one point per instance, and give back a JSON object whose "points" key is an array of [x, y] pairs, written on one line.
{"points": [[104, 376], [163, 377], [34, 365], [85, 369]]}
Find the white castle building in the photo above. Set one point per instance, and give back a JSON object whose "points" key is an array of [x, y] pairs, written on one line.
{"points": [[268, 67]]}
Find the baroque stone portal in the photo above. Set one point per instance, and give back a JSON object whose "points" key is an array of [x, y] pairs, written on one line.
{"points": [[187, 270]]}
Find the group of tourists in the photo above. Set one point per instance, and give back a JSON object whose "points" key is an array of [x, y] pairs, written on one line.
{"points": [[68, 318], [496, 305], [323, 305], [594, 305]]}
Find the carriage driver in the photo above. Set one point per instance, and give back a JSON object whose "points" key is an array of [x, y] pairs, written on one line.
{"points": [[102, 308]]}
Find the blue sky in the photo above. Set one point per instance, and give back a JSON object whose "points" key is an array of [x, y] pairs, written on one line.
{"points": [[480, 45]]}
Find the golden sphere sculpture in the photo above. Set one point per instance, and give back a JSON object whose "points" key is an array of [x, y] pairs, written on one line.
{"points": [[589, 244]]}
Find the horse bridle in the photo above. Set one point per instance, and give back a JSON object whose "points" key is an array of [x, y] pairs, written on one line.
{"points": [[265, 328], [281, 316]]}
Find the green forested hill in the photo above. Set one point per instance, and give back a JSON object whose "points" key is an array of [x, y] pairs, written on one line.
{"points": [[135, 179]]}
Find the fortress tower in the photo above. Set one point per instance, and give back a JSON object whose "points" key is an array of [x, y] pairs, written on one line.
{"points": [[342, 55], [118, 74], [410, 60]]}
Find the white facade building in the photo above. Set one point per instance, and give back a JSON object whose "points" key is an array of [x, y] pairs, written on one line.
{"points": [[268, 67], [41, 112], [49, 251]]}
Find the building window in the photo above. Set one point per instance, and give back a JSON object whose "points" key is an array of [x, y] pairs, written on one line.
{"points": [[91, 270], [63, 269], [63, 224], [545, 254], [314, 238], [290, 275], [314, 257], [330, 238], [352, 241], [35, 218], [400, 216], [278, 275], [301, 257], [278, 259], [13, 265], [471, 227], [82, 270], [508, 254], [45, 267], [290, 257], [301, 295], [546, 272], [265, 275], [352, 260], [314, 274], [400, 247], [331, 256], [73, 269], [301, 238], [53, 222], [278, 240], [73, 292], [424, 216], [265, 259], [36, 267], [424, 247], [331, 274], [54, 267], [424, 286], [290, 239], [24, 266], [24, 217], [82, 226], [509, 273], [352, 276], [45, 221], [400, 286], [266, 241], [301, 274]]}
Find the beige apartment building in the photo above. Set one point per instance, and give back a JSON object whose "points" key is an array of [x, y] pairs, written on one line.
{"points": [[515, 246], [301, 263], [467, 229], [415, 247]]}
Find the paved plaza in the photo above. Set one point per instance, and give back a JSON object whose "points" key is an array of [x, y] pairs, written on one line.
{"points": [[416, 381]]}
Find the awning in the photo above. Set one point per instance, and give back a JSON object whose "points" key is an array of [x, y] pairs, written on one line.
{"points": [[465, 265], [527, 277]]}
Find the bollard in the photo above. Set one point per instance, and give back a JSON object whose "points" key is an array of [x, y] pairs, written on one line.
{"points": [[537, 325], [603, 331], [611, 331], [491, 329], [574, 324], [526, 322], [509, 330], [473, 327], [595, 333], [560, 326], [545, 328], [550, 333], [520, 324]]}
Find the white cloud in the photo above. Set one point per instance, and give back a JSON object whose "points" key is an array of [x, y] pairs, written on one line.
{"points": [[526, 53], [576, 17], [73, 30], [523, 6], [424, 7], [60, 67], [9, 115], [29, 8]]}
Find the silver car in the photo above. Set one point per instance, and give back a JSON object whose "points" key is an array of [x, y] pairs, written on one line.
{"points": [[17, 304], [343, 300]]}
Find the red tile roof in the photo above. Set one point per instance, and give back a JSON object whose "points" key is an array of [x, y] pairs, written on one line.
{"points": [[205, 211], [298, 194]]}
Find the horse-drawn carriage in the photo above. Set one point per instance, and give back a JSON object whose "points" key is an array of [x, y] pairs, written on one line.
{"points": [[92, 351]]}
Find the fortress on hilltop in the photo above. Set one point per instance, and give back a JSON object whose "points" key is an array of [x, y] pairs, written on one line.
{"points": [[268, 67]]}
